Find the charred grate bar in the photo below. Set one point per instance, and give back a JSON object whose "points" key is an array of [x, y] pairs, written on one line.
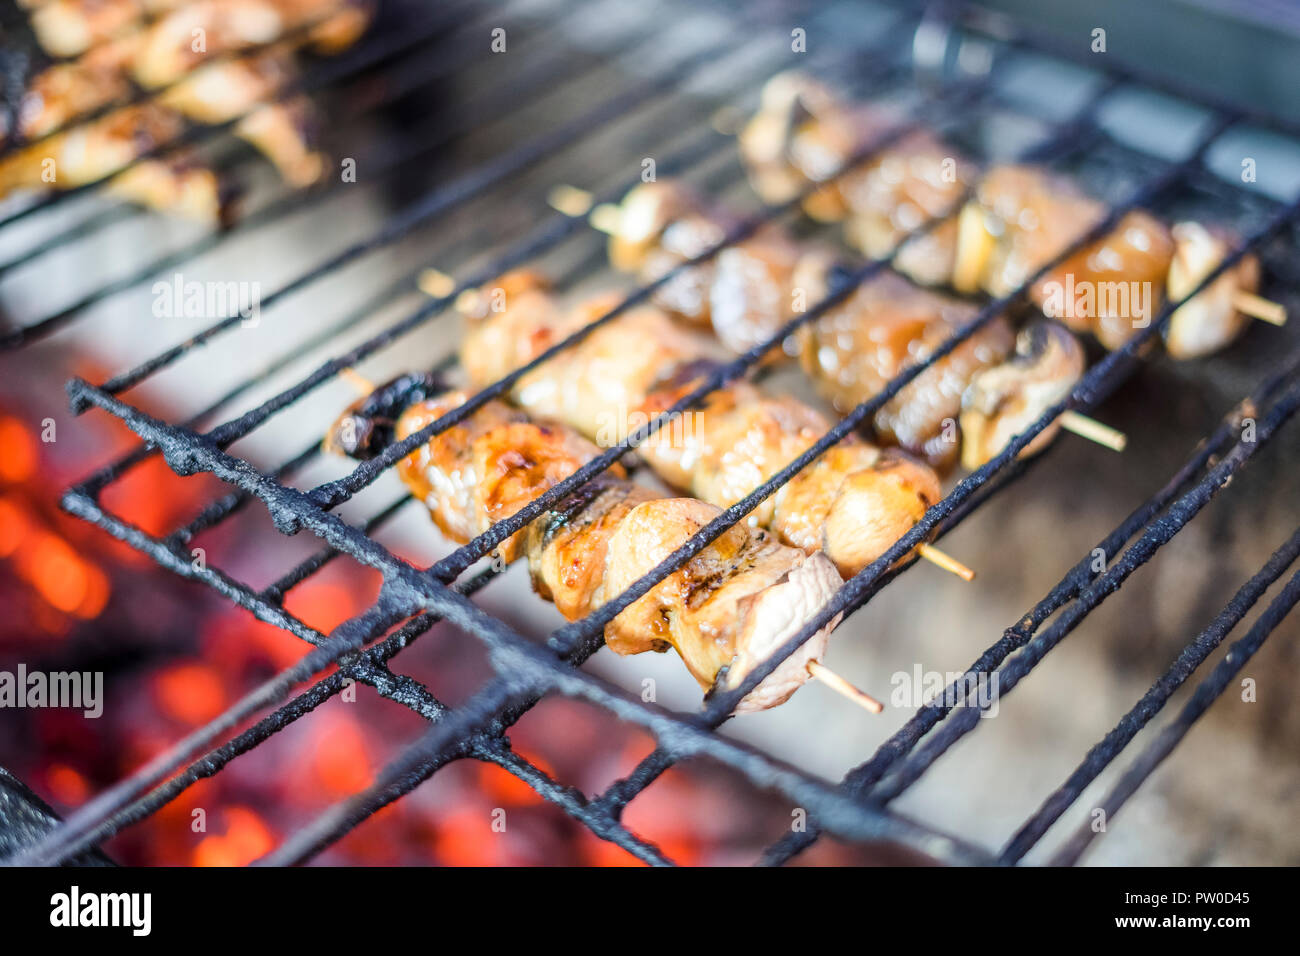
{"points": [[526, 672]]}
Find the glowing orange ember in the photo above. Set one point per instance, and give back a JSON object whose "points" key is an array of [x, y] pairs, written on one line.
{"points": [[14, 527], [246, 838], [56, 571], [190, 693], [340, 761], [66, 785], [17, 451]]}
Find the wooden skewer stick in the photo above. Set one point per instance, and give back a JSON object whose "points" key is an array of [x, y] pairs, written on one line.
{"points": [[570, 200], [606, 218], [436, 284], [1258, 307], [358, 381], [945, 561], [1093, 430], [838, 684]]}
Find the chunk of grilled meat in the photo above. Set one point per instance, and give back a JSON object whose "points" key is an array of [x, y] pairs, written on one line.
{"points": [[1002, 401], [744, 291], [1022, 217], [94, 151], [69, 28], [725, 611], [853, 503], [41, 97], [853, 350], [168, 50], [1210, 320], [803, 134]]}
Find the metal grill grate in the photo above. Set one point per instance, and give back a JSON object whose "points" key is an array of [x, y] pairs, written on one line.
{"points": [[413, 599]]}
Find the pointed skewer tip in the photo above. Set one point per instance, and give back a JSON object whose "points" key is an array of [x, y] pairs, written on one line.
{"points": [[1093, 430], [835, 682], [1257, 307], [358, 381], [945, 561]]}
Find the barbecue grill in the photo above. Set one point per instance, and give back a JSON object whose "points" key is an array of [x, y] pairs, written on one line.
{"points": [[959, 69]]}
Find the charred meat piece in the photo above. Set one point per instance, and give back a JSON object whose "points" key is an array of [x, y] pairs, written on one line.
{"points": [[852, 351], [725, 611]]}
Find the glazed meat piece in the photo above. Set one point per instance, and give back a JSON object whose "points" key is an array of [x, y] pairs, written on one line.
{"points": [[1020, 218], [90, 152], [284, 132], [1118, 281], [1023, 217], [725, 611], [802, 135], [852, 351], [179, 185], [854, 502], [1004, 400], [910, 183]]}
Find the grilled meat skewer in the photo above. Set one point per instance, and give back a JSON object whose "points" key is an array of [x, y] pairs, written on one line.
{"points": [[853, 503], [97, 150], [725, 611], [853, 350], [803, 135], [213, 93], [1020, 218], [167, 50], [70, 28]]}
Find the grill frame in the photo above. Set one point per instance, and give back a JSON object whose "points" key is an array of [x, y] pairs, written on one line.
{"points": [[857, 810]]}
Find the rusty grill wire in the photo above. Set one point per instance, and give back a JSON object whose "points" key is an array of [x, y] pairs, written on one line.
{"points": [[412, 600]]}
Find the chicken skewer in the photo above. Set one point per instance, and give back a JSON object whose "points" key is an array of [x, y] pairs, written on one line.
{"points": [[853, 503], [853, 350], [1020, 218], [725, 611], [71, 28], [40, 95], [220, 91]]}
